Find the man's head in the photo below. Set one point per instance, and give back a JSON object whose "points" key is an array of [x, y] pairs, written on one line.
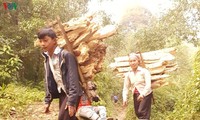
{"points": [[46, 32], [134, 60], [47, 39]]}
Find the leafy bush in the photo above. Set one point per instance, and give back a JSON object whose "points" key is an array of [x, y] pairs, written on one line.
{"points": [[14, 97], [187, 106], [9, 62], [108, 86]]}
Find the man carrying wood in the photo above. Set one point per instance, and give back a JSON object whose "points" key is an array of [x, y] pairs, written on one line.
{"points": [[61, 76], [139, 80]]}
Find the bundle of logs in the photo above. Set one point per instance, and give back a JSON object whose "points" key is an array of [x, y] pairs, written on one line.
{"points": [[160, 63], [85, 37]]}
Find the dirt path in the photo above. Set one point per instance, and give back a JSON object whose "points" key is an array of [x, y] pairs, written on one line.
{"points": [[120, 112], [35, 112]]}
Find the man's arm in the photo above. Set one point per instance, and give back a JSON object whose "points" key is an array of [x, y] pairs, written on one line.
{"points": [[126, 89], [73, 79], [47, 101]]}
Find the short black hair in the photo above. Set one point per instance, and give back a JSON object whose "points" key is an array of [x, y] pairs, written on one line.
{"points": [[46, 32]]}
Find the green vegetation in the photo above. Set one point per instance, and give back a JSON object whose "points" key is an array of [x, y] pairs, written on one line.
{"points": [[187, 106], [9, 62], [15, 97], [21, 66]]}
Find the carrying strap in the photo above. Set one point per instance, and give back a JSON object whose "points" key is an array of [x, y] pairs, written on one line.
{"points": [[80, 82], [63, 61]]}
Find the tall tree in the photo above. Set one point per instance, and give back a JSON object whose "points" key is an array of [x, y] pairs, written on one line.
{"points": [[22, 24]]}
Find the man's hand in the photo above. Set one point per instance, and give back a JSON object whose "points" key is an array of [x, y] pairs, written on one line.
{"points": [[71, 109], [46, 107], [140, 98], [125, 103]]}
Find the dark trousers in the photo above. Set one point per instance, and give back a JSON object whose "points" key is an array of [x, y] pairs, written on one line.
{"points": [[64, 113], [143, 108]]}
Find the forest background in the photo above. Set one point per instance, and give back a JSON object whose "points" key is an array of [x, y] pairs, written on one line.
{"points": [[21, 64]]}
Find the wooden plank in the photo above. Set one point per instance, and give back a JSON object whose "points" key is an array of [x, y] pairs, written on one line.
{"points": [[163, 54], [170, 64], [171, 69], [72, 35], [85, 36], [151, 61], [157, 77], [104, 32], [167, 57], [84, 55], [70, 48], [155, 65], [119, 64], [157, 70], [126, 64]]}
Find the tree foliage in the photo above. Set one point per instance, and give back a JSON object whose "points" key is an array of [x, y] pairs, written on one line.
{"points": [[23, 23], [187, 107], [9, 62]]}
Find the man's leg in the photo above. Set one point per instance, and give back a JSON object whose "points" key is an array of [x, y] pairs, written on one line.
{"points": [[87, 112], [145, 108], [136, 104], [64, 113], [101, 110]]}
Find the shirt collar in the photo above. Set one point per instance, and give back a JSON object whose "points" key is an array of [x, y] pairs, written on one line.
{"points": [[56, 51], [139, 68]]}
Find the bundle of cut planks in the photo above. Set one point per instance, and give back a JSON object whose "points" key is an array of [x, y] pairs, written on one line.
{"points": [[159, 63], [86, 39]]}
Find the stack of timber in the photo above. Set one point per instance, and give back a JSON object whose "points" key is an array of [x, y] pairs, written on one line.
{"points": [[86, 37], [160, 63]]}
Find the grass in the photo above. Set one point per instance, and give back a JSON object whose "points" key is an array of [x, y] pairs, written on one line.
{"points": [[14, 97]]}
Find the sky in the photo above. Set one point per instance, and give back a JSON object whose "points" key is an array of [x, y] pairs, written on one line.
{"points": [[116, 8]]}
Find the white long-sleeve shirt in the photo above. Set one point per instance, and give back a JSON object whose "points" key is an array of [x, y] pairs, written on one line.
{"points": [[141, 80], [54, 66]]}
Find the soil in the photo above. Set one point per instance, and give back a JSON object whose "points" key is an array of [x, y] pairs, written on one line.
{"points": [[36, 112]]}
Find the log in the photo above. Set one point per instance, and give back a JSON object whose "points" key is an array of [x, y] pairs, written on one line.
{"points": [[85, 36], [74, 34], [83, 50], [69, 48], [86, 39]]}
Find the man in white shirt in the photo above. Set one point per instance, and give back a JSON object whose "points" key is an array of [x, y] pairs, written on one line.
{"points": [[61, 76], [139, 80]]}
